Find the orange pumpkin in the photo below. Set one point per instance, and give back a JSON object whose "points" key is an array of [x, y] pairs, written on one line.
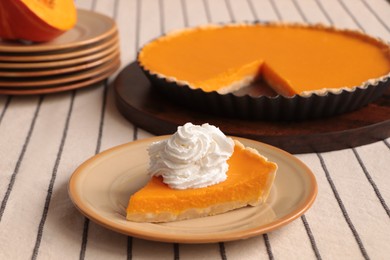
{"points": [[36, 20]]}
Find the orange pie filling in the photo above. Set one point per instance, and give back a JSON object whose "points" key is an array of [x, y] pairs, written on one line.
{"points": [[249, 180], [292, 59]]}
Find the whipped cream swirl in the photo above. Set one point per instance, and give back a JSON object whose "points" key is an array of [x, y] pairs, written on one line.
{"points": [[194, 157]]}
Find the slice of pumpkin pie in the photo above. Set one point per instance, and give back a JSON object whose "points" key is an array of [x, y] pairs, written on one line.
{"points": [[200, 172]]}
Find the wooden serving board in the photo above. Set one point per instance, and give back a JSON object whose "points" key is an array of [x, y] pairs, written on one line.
{"points": [[140, 103]]}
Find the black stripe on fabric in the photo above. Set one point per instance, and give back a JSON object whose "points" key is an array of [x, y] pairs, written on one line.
{"points": [[116, 8], [276, 10], [311, 237], [342, 207], [137, 44], [102, 117], [137, 25], [322, 8], [230, 11], [380, 20], [7, 102], [84, 240], [97, 150], [222, 250], [252, 9], [176, 251], [371, 181], [351, 14], [162, 17], [20, 158], [386, 143], [268, 247], [93, 4], [129, 248], [299, 9], [52, 180], [207, 10], [185, 13]]}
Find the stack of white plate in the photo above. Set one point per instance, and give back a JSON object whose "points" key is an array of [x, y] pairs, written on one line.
{"points": [[83, 56]]}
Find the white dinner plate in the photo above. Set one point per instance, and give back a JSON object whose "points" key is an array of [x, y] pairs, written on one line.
{"points": [[100, 188]]}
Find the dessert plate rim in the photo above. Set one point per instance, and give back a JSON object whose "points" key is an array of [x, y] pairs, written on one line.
{"points": [[91, 27]]}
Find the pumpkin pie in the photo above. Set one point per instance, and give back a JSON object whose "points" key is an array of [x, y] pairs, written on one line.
{"points": [[249, 180], [292, 59]]}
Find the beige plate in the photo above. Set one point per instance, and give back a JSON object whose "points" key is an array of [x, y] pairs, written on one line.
{"points": [[59, 88], [100, 188], [60, 79], [62, 54], [57, 71], [90, 28], [61, 63]]}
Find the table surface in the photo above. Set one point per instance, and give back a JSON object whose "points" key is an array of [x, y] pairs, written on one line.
{"points": [[43, 139]]}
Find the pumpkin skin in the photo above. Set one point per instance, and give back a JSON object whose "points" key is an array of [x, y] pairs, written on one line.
{"points": [[36, 20]]}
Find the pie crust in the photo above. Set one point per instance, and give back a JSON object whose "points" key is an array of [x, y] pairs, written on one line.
{"points": [[293, 101], [250, 178]]}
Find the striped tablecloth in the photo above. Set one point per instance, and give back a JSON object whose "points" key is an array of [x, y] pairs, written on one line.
{"points": [[44, 138]]}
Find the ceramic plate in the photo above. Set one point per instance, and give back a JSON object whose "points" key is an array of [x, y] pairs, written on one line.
{"points": [[59, 79], [57, 71], [91, 27], [60, 63], [61, 54], [100, 188], [60, 88]]}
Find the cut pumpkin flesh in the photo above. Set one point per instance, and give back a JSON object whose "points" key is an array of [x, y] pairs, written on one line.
{"points": [[249, 180], [59, 14], [36, 20], [292, 58]]}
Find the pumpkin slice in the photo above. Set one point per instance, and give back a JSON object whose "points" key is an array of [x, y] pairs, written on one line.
{"points": [[36, 20], [249, 181]]}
